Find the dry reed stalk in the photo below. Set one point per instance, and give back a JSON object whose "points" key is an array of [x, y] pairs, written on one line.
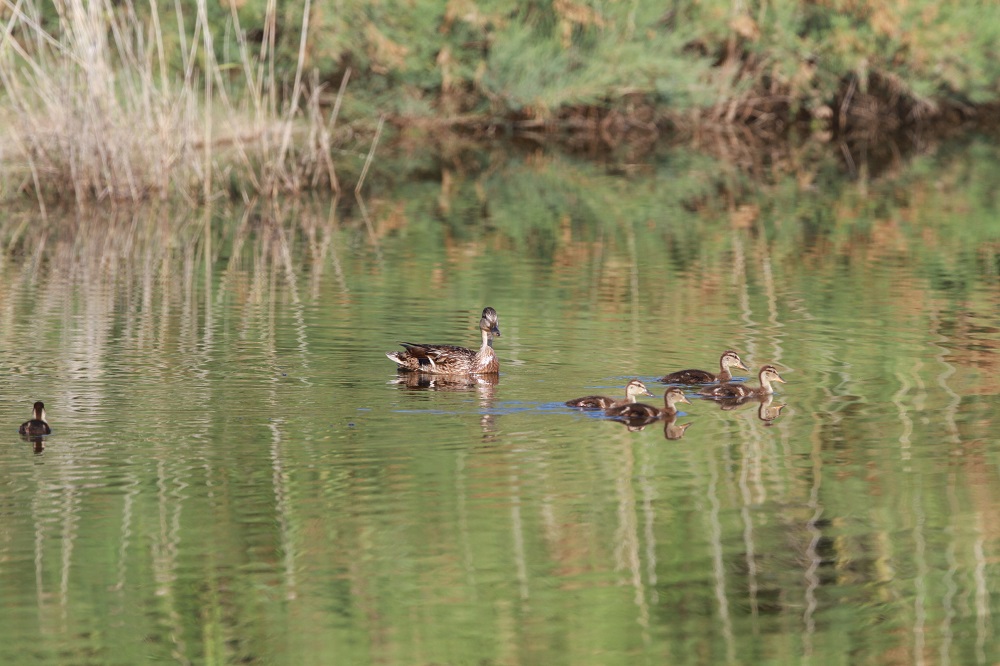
{"points": [[371, 154], [93, 107], [286, 137]]}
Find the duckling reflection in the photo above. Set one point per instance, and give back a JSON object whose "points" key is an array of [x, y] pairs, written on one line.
{"points": [[671, 428], [674, 430], [37, 442], [637, 422], [767, 411]]}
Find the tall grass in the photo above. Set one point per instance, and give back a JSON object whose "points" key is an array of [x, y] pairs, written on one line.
{"points": [[98, 110]]}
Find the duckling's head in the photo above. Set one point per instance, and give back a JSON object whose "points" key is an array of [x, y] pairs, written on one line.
{"points": [[490, 322], [635, 387], [731, 359], [673, 395], [770, 374]]}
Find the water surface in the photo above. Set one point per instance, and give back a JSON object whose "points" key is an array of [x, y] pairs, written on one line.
{"points": [[237, 475]]}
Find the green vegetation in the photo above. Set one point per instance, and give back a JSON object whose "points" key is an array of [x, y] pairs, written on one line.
{"points": [[115, 100]]}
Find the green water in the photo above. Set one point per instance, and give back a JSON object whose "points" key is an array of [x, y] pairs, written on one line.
{"points": [[236, 476]]}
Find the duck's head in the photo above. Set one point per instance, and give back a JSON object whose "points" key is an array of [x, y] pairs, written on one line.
{"points": [[489, 322], [770, 374], [635, 387], [38, 411], [673, 395], [731, 359]]}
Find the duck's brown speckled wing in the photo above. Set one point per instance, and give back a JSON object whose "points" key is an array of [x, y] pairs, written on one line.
{"points": [[592, 402], [428, 357], [34, 427], [437, 352], [728, 390], [636, 410], [688, 377]]}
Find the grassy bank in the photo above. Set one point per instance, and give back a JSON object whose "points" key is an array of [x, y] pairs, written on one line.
{"points": [[248, 98]]}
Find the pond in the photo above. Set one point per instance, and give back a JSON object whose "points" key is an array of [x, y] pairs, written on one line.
{"points": [[237, 474]]}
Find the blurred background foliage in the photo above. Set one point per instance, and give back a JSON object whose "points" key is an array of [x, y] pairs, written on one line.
{"points": [[600, 76], [532, 59]]}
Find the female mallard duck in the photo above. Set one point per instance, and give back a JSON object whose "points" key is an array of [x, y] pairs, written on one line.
{"points": [[632, 389], [36, 425], [767, 375], [639, 410], [729, 359], [452, 360]]}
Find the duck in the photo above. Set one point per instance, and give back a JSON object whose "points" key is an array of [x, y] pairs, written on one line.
{"points": [[639, 410], [767, 374], [729, 359], [450, 359], [36, 425], [632, 389]]}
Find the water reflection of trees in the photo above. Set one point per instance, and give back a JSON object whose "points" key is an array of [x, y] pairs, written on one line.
{"points": [[139, 304], [773, 532]]}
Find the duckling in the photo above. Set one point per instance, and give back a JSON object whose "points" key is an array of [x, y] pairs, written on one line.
{"points": [[36, 425], [452, 360], [632, 389], [767, 375], [640, 410], [729, 359]]}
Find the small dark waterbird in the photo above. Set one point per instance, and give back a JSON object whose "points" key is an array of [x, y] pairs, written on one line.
{"points": [[36, 425], [632, 389], [767, 374], [450, 359], [729, 359]]}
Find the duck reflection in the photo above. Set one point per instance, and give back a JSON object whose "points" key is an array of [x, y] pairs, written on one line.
{"points": [[483, 385], [419, 381]]}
